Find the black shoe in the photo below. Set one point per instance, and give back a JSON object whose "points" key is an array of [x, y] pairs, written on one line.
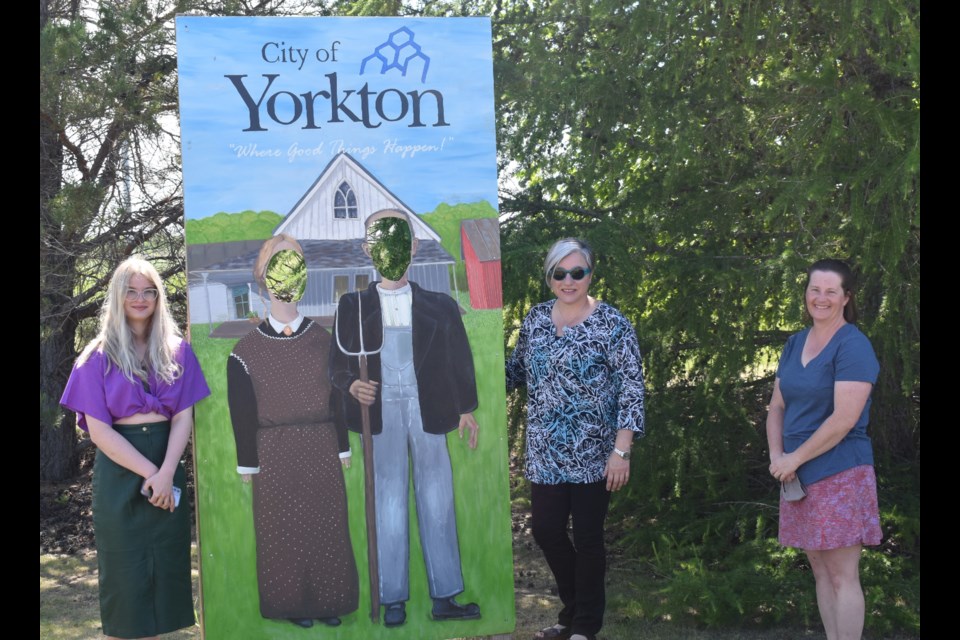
{"points": [[395, 614], [450, 609], [555, 632], [306, 623], [330, 622]]}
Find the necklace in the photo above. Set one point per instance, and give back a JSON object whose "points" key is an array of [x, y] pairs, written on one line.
{"points": [[563, 321]]}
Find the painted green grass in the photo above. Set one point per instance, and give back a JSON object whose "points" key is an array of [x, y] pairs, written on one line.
{"points": [[227, 554]]}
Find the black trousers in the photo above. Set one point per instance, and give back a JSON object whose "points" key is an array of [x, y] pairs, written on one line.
{"points": [[579, 566]]}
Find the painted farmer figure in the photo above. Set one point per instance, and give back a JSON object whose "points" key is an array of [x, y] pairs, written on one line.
{"points": [[421, 387]]}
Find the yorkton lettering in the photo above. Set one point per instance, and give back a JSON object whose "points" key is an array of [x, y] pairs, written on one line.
{"points": [[331, 104]]}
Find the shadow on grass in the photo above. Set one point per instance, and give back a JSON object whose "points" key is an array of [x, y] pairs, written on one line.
{"points": [[69, 606]]}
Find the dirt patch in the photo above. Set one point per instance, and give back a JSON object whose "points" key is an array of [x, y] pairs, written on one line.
{"points": [[66, 517], [66, 522]]}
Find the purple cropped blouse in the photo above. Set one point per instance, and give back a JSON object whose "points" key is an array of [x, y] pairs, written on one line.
{"points": [[108, 395]]}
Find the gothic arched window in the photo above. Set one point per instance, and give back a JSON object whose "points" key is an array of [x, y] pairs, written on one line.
{"points": [[344, 202]]}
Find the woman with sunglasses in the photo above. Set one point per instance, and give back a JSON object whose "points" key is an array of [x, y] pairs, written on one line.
{"points": [[133, 388], [580, 362]]}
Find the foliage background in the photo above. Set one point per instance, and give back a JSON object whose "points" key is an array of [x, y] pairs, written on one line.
{"points": [[226, 227], [709, 150]]}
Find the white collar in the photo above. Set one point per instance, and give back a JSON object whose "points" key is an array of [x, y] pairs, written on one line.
{"points": [[396, 306], [405, 289], [293, 324]]}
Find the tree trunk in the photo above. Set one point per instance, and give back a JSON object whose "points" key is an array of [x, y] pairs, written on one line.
{"points": [[58, 438], [58, 459], [58, 327]]}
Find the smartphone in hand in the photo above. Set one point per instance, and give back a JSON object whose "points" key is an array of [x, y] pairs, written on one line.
{"points": [[148, 493]]}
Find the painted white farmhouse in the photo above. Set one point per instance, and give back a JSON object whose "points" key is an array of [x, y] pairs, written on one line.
{"points": [[328, 220]]}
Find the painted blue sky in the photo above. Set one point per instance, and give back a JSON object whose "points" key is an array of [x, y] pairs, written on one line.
{"points": [[459, 164]]}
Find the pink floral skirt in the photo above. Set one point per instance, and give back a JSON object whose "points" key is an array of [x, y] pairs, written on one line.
{"points": [[839, 511]]}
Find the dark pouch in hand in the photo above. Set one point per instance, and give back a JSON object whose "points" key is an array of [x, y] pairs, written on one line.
{"points": [[793, 490]]}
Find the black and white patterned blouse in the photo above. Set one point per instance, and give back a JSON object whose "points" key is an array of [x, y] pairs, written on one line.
{"points": [[582, 387]]}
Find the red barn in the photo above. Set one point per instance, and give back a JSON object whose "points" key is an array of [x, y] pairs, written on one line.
{"points": [[480, 250]]}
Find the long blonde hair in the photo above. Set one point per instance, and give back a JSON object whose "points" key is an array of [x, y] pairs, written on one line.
{"points": [[115, 339]]}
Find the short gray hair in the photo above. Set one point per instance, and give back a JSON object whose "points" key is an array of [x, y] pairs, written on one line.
{"points": [[560, 250]]}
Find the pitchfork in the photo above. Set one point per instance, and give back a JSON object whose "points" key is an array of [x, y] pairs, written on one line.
{"points": [[366, 438]]}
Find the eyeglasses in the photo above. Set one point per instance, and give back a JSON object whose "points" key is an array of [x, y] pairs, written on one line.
{"points": [[577, 273], [150, 295]]}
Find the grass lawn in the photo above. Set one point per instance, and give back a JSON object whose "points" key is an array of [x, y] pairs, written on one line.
{"points": [[69, 609], [69, 606]]}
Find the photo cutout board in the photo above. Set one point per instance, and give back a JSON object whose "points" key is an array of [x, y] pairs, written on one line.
{"points": [[343, 259]]}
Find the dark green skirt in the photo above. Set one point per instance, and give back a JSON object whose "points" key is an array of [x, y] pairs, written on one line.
{"points": [[143, 553]]}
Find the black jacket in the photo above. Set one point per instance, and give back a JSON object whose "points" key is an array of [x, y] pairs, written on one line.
{"points": [[442, 360]]}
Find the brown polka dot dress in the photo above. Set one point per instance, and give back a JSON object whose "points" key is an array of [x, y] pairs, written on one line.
{"points": [[280, 405]]}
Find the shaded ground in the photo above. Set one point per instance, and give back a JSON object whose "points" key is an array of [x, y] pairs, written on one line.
{"points": [[66, 521], [66, 525], [68, 583]]}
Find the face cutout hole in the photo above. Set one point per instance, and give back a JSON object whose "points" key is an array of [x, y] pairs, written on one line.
{"points": [[286, 276], [389, 242]]}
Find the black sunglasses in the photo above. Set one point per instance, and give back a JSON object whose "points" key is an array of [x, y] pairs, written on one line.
{"points": [[577, 273]]}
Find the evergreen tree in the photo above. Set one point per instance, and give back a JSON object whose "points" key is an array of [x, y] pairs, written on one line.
{"points": [[110, 180], [710, 151]]}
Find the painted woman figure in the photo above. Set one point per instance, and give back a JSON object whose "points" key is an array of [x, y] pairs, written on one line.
{"points": [[133, 388], [287, 441]]}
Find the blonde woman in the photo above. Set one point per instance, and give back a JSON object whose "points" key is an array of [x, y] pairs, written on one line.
{"points": [[133, 388]]}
